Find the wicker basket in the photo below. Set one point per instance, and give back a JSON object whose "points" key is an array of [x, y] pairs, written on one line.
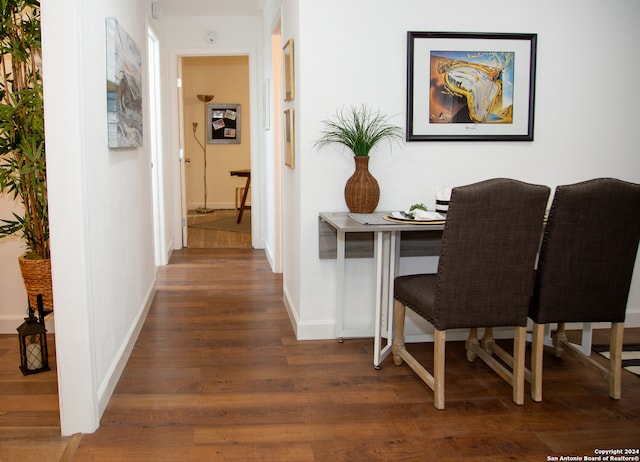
{"points": [[362, 192], [37, 280]]}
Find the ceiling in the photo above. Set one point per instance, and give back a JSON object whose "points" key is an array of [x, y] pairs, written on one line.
{"points": [[211, 7]]}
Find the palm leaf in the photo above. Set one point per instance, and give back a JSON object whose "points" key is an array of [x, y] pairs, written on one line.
{"points": [[358, 128]]}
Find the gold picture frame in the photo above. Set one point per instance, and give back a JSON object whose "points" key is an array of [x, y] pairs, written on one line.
{"points": [[289, 138], [288, 64]]}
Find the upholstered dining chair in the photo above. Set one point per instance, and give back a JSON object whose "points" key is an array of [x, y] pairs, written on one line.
{"points": [[484, 278], [584, 270]]}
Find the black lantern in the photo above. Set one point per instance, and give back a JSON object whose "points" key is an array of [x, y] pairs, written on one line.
{"points": [[34, 356]]}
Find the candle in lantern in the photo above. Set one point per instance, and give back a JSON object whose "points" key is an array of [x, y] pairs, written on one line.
{"points": [[34, 356]]}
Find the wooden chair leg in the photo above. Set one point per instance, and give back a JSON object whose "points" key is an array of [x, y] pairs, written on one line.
{"points": [[613, 370], [487, 339], [398, 339], [438, 368], [471, 344], [537, 346], [400, 354], [519, 342], [559, 340], [615, 359]]}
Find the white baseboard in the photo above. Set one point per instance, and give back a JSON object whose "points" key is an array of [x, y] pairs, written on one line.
{"points": [[9, 323], [293, 317], [215, 205], [325, 330], [632, 319], [107, 387], [316, 330], [271, 259]]}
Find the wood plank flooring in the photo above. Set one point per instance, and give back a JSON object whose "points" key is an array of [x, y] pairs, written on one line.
{"points": [[218, 375], [29, 410], [198, 238]]}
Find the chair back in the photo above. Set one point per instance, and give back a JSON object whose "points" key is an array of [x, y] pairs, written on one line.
{"points": [[588, 252], [489, 246]]}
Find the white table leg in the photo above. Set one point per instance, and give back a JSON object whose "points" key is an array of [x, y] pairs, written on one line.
{"points": [[340, 257], [378, 257], [587, 333], [387, 255]]}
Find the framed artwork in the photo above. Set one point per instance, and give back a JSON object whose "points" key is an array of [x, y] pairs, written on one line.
{"points": [[223, 124], [124, 88], [289, 139], [289, 86], [470, 86]]}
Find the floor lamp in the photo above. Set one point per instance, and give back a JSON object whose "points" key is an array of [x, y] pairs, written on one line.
{"points": [[205, 99]]}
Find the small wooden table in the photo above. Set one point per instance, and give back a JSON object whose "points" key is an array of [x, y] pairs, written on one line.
{"points": [[243, 173]]}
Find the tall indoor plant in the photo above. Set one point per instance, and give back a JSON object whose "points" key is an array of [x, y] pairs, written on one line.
{"points": [[22, 153], [360, 129]]}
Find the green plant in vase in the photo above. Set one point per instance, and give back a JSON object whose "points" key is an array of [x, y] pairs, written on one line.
{"points": [[360, 129], [22, 145]]}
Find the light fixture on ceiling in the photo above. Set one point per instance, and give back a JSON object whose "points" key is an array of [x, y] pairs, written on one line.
{"points": [[211, 37]]}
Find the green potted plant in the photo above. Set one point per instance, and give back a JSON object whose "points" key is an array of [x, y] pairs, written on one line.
{"points": [[360, 129], [22, 146]]}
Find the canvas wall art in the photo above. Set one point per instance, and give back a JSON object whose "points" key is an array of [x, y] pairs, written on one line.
{"points": [[124, 88]]}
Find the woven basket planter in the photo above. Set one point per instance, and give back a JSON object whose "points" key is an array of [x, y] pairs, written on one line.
{"points": [[362, 192], [37, 280]]}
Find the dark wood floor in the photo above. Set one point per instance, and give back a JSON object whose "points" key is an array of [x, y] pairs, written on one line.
{"points": [[217, 375]]}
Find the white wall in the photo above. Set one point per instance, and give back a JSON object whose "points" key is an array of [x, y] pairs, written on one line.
{"points": [[292, 192], [13, 303], [272, 106], [585, 124], [99, 205]]}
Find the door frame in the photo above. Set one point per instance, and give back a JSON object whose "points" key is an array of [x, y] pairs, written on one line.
{"points": [[276, 85], [155, 146], [177, 143]]}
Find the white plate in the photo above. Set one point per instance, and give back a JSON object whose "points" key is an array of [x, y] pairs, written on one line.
{"points": [[431, 216]]}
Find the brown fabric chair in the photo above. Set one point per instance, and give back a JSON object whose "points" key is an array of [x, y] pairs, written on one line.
{"points": [[585, 266], [484, 279]]}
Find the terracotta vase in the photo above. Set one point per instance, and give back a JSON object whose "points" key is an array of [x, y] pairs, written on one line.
{"points": [[362, 192]]}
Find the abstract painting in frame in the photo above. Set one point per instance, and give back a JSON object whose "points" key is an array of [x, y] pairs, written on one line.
{"points": [[470, 86], [124, 88]]}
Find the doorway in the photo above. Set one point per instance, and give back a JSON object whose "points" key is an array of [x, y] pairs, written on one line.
{"points": [[216, 125], [276, 168], [155, 145]]}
